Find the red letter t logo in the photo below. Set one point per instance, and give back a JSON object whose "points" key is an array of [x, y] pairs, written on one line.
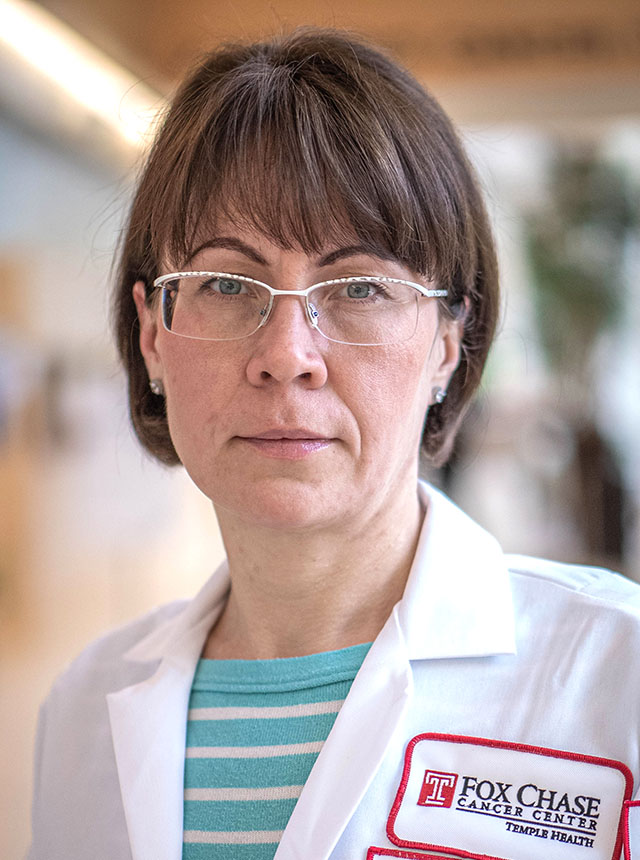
{"points": [[437, 789]]}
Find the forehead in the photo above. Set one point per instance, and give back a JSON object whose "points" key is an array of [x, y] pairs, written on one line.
{"points": [[236, 238], [289, 205]]}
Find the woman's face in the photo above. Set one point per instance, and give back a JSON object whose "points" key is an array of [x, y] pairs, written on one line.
{"points": [[285, 428]]}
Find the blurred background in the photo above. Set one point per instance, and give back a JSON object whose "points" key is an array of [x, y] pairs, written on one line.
{"points": [[547, 98]]}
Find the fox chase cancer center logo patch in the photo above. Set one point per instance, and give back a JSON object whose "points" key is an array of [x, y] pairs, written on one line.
{"points": [[488, 799]]}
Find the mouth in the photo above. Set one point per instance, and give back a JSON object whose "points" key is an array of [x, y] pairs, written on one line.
{"points": [[286, 433], [287, 443]]}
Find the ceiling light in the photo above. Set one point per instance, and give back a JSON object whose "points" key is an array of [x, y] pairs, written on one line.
{"points": [[92, 79]]}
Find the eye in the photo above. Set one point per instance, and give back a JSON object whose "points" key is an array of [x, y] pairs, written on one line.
{"points": [[361, 289], [226, 286], [370, 290]]}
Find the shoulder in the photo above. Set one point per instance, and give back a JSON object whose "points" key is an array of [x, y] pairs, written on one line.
{"points": [[76, 800], [582, 582], [102, 666], [577, 583], [73, 723], [583, 606], [130, 653]]}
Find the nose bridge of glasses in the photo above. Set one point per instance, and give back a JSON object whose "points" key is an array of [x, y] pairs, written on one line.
{"points": [[310, 312]]}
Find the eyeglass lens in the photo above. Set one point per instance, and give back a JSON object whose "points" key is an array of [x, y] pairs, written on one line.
{"points": [[353, 311]]}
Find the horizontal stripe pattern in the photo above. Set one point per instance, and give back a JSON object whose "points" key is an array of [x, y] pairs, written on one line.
{"points": [[263, 772], [238, 814], [254, 752], [202, 698], [255, 729], [310, 709], [235, 837], [272, 792], [224, 851], [251, 733]]}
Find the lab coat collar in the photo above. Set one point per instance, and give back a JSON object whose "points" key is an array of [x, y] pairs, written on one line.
{"points": [[457, 601], [183, 635], [148, 724]]}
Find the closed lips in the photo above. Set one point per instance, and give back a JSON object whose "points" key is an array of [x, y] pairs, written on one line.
{"points": [[286, 434]]}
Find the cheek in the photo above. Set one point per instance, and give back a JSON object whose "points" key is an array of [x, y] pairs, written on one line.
{"points": [[393, 394], [197, 389]]}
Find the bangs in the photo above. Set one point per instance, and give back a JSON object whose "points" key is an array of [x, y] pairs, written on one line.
{"points": [[286, 154]]}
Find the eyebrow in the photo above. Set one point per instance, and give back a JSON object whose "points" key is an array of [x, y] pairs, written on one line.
{"points": [[233, 244], [353, 251]]}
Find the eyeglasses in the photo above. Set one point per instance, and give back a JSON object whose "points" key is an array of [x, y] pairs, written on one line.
{"points": [[363, 311]]}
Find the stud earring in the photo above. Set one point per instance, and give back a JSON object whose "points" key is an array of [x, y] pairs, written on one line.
{"points": [[438, 394], [156, 387]]}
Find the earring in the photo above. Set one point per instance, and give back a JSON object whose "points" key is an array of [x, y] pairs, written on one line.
{"points": [[156, 387], [438, 394]]}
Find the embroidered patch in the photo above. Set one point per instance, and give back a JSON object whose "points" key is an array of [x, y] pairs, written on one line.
{"points": [[494, 800], [632, 830], [374, 852]]}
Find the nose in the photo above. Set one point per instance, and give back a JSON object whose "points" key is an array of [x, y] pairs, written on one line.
{"points": [[287, 347]]}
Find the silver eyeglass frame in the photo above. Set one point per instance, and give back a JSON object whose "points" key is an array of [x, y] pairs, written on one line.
{"points": [[311, 313]]}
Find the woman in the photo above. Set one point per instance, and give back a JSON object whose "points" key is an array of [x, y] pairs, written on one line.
{"points": [[307, 293]]}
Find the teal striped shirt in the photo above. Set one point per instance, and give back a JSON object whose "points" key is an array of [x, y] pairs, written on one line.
{"points": [[254, 731]]}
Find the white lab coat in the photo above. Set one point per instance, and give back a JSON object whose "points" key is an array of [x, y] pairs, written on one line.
{"points": [[111, 738]]}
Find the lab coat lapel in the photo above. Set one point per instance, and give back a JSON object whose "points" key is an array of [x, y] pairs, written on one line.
{"points": [[148, 726], [148, 729], [353, 751], [457, 603]]}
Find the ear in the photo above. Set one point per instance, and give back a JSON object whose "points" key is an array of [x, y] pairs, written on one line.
{"points": [[148, 319], [448, 354]]}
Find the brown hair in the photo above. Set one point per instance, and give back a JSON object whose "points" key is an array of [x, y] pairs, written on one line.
{"points": [[302, 137]]}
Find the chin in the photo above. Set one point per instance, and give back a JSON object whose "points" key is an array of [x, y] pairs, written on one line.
{"points": [[280, 503]]}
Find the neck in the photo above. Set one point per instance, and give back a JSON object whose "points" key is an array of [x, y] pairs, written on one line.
{"points": [[297, 593]]}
